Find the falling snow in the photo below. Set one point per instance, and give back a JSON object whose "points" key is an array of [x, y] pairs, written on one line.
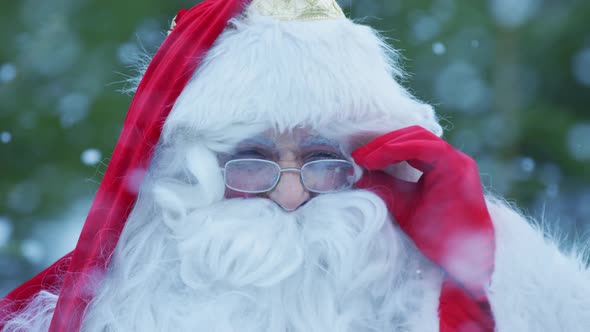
{"points": [[492, 70], [5, 137], [439, 48], [32, 250], [513, 13], [7, 72], [91, 157]]}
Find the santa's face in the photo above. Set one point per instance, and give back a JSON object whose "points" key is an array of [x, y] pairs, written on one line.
{"points": [[289, 168], [297, 254]]}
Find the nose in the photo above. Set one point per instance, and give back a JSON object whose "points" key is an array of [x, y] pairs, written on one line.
{"points": [[289, 192]]}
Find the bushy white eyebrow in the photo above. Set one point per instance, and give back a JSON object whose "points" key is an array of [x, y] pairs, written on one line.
{"points": [[260, 140], [319, 140], [308, 142]]}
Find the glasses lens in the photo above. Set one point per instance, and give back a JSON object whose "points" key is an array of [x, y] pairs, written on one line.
{"points": [[327, 175], [251, 175]]}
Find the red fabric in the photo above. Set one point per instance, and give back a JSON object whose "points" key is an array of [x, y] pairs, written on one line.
{"points": [[78, 273], [459, 312], [166, 76], [444, 213], [49, 279]]}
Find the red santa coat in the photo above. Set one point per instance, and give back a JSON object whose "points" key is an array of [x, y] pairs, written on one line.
{"points": [[195, 32]]}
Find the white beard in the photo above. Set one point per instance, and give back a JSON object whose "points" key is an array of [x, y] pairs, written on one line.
{"points": [[188, 260], [336, 264]]}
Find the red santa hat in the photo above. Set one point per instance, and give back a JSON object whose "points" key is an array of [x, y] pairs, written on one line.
{"points": [[229, 69]]}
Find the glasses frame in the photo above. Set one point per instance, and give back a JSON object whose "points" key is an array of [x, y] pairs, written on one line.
{"points": [[286, 169]]}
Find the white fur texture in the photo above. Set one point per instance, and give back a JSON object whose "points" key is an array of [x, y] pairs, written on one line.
{"points": [[190, 260], [35, 317], [339, 265], [535, 287], [332, 75]]}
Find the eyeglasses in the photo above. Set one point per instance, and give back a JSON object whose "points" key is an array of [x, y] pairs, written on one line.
{"points": [[259, 175]]}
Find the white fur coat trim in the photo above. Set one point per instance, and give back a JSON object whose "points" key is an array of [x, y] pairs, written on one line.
{"points": [[328, 74], [535, 287]]}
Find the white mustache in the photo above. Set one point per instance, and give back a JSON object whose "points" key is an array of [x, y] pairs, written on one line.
{"points": [[222, 244], [254, 242]]}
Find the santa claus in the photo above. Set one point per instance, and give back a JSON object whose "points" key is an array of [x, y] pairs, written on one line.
{"points": [[273, 175]]}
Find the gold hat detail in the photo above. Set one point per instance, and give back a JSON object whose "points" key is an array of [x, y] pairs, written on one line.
{"points": [[291, 10]]}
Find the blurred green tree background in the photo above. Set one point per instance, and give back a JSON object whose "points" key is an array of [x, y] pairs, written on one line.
{"points": [[510, 80]]}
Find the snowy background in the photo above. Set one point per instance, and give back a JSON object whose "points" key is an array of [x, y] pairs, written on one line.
{"points": [[510, 78]]}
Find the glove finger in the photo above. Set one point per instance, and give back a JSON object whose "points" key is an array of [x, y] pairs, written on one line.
{"points": [[411, 132], [421, 154], [401, 135]]}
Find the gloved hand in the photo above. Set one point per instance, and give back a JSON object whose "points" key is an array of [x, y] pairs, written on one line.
{"points": [[444, 213]]}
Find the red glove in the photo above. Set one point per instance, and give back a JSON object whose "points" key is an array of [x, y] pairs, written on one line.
{"points": [[444, 213]]}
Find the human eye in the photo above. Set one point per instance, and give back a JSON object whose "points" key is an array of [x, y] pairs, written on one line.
{"points": [[251, 153], [322, 155]]}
